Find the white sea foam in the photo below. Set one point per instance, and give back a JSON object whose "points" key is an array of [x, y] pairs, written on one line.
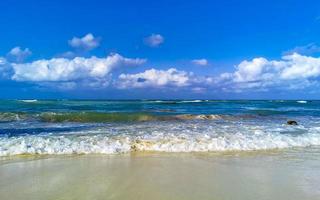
{"points": [[302, 101], [103, 144], [169, 136]]}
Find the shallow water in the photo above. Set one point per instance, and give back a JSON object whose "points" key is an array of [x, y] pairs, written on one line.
{"points": [[112, 127]]}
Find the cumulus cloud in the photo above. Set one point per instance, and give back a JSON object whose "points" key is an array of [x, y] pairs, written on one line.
{"points": [[154, 40], [155, 78], [17, 54], [63, 69], [259, 74], [86, 43], [201, 62], [291, 72], [300, 67]]}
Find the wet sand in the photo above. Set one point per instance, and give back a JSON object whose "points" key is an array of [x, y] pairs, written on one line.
{"points": [[291, 174]]}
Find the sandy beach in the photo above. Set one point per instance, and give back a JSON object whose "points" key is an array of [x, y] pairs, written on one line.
{"points": [[289, 174]]}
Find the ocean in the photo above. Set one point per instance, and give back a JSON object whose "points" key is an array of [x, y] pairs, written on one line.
{"points": [[54, 127]]}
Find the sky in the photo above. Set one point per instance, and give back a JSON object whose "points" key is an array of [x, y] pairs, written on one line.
{"points": [[160, 49]]}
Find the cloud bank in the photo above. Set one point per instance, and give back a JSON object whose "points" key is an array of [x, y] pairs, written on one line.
{"points": [[63, 69], [291, 72]]}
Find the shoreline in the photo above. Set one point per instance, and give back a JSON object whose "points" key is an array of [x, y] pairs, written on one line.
{"points": [[289, 174]]}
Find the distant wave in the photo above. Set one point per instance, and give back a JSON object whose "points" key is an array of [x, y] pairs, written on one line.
{"points": [[117, 117], [29, 100], [191, 101], [99, 117], [302, 101], [158, 101], [95, 117]]}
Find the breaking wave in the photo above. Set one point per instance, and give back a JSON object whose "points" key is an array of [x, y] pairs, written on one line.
{"points": [[103, 144]]}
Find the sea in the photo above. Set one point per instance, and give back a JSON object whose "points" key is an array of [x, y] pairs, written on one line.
{"points": [[55, 127]]}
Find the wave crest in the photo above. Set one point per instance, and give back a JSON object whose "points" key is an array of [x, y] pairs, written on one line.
{"points": [[103, 144]]}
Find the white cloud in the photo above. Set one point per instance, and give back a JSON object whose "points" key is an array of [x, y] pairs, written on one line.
{"points": [[201, 62], [300, 67], [86, 43], [154, 40], [308, 49], [155, 78], [251, 70], [291, 72], [17, 54], [5, 68], [2, 61], [62, 69]]}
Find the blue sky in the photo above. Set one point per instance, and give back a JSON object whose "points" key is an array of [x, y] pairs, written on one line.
{"points": [[160, 49]]}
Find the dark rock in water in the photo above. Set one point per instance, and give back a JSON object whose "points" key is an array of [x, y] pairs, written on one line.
{"points": [[292, 122]]}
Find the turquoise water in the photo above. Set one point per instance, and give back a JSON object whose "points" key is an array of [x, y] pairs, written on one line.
{"points": [[108, 127]]}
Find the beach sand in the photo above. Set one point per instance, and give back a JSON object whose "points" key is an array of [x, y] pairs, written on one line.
{"points": [[289, 174]]}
